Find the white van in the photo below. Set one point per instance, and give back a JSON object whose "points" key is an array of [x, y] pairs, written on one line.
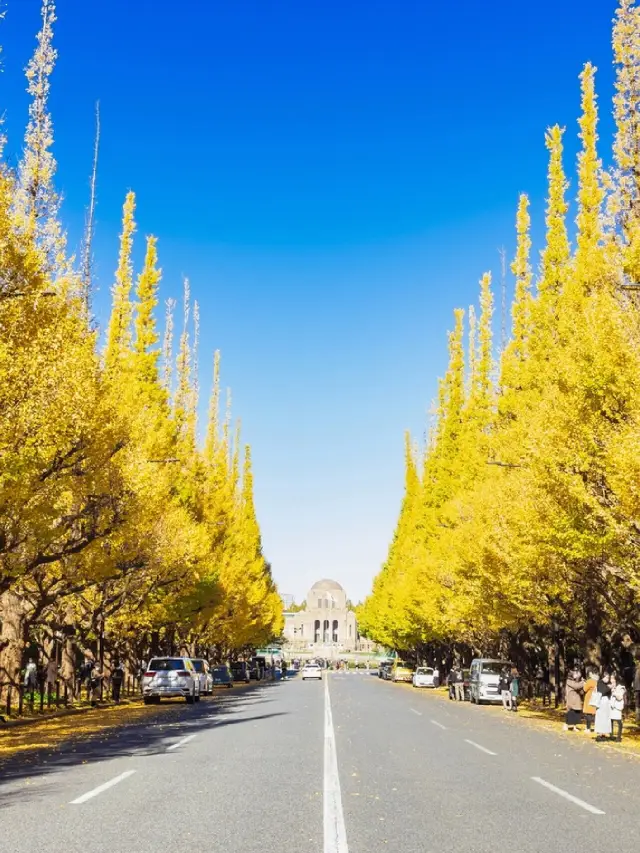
{"points": [[484, 679]]}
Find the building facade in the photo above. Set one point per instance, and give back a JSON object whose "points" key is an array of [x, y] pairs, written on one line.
{"points": [[327, 626]]}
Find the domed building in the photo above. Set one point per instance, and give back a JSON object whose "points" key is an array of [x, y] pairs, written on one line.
{"points": [[327, 626]]}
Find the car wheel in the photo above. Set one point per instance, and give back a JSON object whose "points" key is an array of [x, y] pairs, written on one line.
{"points": [[190, 698], [148, 700], [196, 698]]}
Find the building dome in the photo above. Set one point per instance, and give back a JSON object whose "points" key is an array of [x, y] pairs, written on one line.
{"points": [[327, 585]]}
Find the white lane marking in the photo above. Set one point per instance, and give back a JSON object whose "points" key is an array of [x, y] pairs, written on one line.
{"points": [[567, 796], [439, 725], [94, 793], [335, 834], [419, 713], [180, 742], [481, 748]]}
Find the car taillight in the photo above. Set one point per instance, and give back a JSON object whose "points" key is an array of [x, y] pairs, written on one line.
{"points": [[183, 673], [149, 674]]}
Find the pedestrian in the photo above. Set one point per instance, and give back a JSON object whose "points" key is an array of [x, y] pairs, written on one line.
{"points": [[95, 683], [574, 690], [117, 677], [539, 682], [588, 709], [504, 688], [436, 676], [450, 683], [617, 702], [601, 700], [458, 684], [514, 689], [30, 675], [52, 672], [636, 690]]}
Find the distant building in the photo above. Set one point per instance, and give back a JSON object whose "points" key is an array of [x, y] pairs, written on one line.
{"points": [[287, 600], [327, 626]]}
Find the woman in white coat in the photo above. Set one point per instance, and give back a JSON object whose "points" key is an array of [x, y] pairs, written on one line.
{"points": [[617, 701], [603, 711]]}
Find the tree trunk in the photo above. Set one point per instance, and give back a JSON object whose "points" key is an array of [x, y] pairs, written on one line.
{"points": [[12, 638]]}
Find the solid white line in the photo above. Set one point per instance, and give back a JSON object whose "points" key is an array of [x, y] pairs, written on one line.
{"points": [[419, 713], [90, 794], [335, 834], [439, 725], [180, 742], [567, 796], [481, 748]]}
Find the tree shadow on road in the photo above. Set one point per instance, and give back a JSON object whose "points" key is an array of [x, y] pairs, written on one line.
{"points": [[149, 735]]}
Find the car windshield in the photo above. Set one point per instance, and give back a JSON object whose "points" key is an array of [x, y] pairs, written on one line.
{"points": [[495, 667], [165, 664], [198, 665], [312, 666], [424, 670]]}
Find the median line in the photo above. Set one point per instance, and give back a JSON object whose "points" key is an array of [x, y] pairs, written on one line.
{"points": [[180, 742], [439, 725], [419, 713], [567, 796], [101, 788], [335, 835], [480, 747]]}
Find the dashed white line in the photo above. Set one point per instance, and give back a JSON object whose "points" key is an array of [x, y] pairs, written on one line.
{"points": [[439, 725], [335, 834], [180, 742], [419, 713], [567, 796], [99, 790], [480, 747]]}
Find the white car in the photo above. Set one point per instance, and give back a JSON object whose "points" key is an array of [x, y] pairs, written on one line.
{"points": [[204, 676], [170, 677], [311, 670], [423, 677]]}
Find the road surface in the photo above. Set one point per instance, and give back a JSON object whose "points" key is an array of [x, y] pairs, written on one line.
{"points": [[349, 765]]}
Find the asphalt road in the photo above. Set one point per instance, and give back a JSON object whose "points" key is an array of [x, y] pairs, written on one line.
{"points": [[350, 765]]}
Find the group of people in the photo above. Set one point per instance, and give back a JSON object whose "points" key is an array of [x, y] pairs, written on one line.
{"points": [[91, 674], [509, 687], [598, 701], [455, 681]]}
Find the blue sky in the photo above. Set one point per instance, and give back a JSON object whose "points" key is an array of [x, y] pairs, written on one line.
{"points": [[333, 177]]}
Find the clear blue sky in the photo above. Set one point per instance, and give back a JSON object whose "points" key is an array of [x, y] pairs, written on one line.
{"points": [[334, 177]]}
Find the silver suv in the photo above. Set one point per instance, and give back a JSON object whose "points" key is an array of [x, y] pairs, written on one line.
{"points": [[170, 677]]}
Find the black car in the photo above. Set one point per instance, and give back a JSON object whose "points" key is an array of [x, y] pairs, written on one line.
{"points": [[241, 671]]}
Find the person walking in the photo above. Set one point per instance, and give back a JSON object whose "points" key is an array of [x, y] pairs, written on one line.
{"points": [[636, 690], [458, 684], [574, 690], [617, 702], [451, 682], [514, 689], [436, 676], [117, 677], [601, 698], [95, 683], [504, 688], [30, 675], [588, 709]]}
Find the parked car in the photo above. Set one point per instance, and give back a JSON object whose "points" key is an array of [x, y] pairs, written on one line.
{"points": [[204, 676], [401, 672], [311, 670], [484, 679], [423, 677], [170, 677], [384, 670], [241, 671], [221, 676]]}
